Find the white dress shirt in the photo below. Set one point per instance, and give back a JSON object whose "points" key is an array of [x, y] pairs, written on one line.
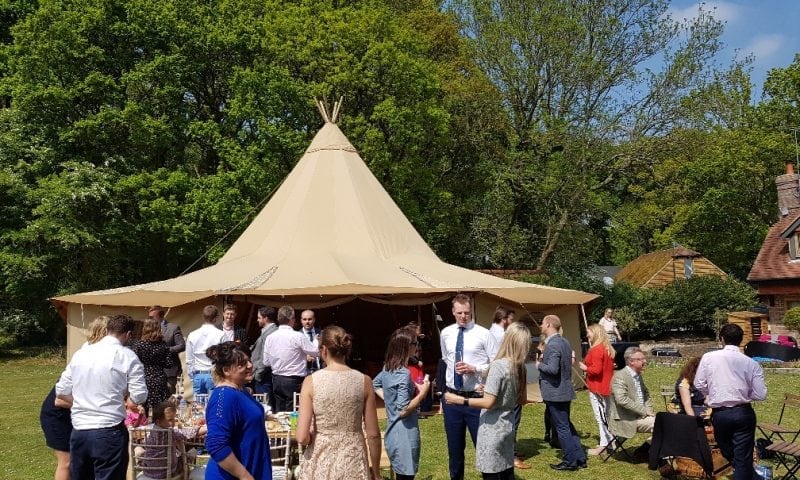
{"points": [[97, 377], [197, 343], [480, 348], [729, 378], [497, 332], [285, 351], [315, 336]]}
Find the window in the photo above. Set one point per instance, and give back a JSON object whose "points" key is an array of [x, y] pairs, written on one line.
{"points": [[688, 267]]}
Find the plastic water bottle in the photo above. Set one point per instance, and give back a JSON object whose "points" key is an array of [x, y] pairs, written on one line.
{"points": [[182, 408], [765, 471]]}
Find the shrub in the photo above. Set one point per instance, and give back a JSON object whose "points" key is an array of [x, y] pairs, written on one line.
{"points": [[792, 318], [18, 327]]}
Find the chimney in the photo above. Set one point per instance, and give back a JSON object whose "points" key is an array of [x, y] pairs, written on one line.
{"points": [[788, 192]]}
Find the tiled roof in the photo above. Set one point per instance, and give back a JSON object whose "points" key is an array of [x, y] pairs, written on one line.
{"points": [[772, 262]]}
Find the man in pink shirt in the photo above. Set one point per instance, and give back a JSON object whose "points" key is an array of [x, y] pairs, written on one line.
{"points": [[730, 380]]}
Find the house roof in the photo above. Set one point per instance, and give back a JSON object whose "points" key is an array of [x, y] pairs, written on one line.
{"points": [[641, 269], [773, 262], [329, 230]]}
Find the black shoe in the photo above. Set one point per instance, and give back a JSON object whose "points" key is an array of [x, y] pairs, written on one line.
{"points": [[582, 464], [547, 438], [563, 466]]}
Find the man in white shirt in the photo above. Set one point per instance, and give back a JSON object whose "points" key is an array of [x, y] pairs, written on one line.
{"points": [[285, 352], [730, 380], [95, 381], [502, 319], [198, 365], [230, 331], [467, 349], [307, 320]]}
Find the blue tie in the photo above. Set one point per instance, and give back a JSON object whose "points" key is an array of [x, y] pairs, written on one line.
{"points": [[458, 380]]}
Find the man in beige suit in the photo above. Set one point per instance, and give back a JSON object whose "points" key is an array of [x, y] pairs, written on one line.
{"points": [[631, 409]]}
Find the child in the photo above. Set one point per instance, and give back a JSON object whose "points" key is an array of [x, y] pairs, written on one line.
{"points": [[154, 456], [135, 414]]}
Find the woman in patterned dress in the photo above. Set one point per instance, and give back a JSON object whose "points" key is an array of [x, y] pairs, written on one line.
{"points": [[334, 403], [154, 355], [503, 391]]}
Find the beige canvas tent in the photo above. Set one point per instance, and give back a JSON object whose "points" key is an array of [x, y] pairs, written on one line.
{"points": [[330, 236]]}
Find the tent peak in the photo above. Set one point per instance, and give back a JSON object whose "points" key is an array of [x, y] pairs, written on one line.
{"points": [[334, 117]]}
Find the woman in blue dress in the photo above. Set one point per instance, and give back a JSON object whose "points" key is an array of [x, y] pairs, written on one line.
{"points": [[237, 440], [402, 397]]}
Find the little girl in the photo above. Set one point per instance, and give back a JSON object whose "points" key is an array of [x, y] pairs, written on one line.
{"points": [[154, 457], [136, 416]]}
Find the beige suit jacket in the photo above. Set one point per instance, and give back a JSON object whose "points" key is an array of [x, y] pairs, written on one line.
{"points": [[626, 406]]}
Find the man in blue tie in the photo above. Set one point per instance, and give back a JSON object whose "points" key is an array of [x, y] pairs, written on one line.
{"points": [[467, 349]]}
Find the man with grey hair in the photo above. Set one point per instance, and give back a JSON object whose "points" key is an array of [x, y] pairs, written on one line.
{"points": [[285, 352], [631, 407]]}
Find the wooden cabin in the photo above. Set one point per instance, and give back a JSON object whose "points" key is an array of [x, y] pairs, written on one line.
{"points": [[663, 267]]}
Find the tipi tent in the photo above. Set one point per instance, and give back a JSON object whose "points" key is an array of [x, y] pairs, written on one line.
{"points": [[330, 235]]}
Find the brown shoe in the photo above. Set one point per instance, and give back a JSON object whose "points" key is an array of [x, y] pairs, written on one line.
{"points": [[520, 464]]}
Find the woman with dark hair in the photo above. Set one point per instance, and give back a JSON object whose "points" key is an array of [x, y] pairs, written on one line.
{"points": [[504, 390], [687, 398], [237, 440], [402, 396], [153, 352], [334, 403]]}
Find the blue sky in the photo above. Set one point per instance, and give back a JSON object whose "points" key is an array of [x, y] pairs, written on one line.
{"points": [[768, 29]]}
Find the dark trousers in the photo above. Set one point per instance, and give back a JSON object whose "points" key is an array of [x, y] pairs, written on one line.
{"points": [[265, 386], [567, 436], [172, 382], [504, 475], [99, 454], [283, 389], [457, 420], [734, 431]]}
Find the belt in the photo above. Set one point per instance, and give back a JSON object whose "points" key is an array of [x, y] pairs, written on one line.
{"points": [[464, 393], [741, 405], [200, 371], [293, 377]]}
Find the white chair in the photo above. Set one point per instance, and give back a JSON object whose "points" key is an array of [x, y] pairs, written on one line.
{"points": [[296, 402], [280, 451], [153, 454], [201, 398], [262, 398]]}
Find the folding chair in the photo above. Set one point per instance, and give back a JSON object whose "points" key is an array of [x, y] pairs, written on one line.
{"points": [[280, 451], [152, 454], [667, 392], [780, 429], [614, 446], [296, 402], [788, 455]]}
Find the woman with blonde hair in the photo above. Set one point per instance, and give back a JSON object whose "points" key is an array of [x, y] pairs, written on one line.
{"points": [[503, 391], [54, 416], [97, 329], [599, 368]]}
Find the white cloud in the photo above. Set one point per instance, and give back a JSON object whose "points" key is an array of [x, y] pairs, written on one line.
{"points": [[764, 46], [723, 11]]}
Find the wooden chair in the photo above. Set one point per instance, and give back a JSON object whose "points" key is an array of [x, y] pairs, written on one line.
{"points": [[788, 455], [780, 429], [280, 451], [153, 454]]}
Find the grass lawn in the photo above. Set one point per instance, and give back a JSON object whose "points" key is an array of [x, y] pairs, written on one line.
{"points": [[27, 380]]}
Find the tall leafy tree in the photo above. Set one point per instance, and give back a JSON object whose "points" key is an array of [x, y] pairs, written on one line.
{"points": [[581, 82]]}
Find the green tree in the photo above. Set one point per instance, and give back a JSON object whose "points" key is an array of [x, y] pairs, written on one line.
{"points": [[582, 82], [142, 132]]}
